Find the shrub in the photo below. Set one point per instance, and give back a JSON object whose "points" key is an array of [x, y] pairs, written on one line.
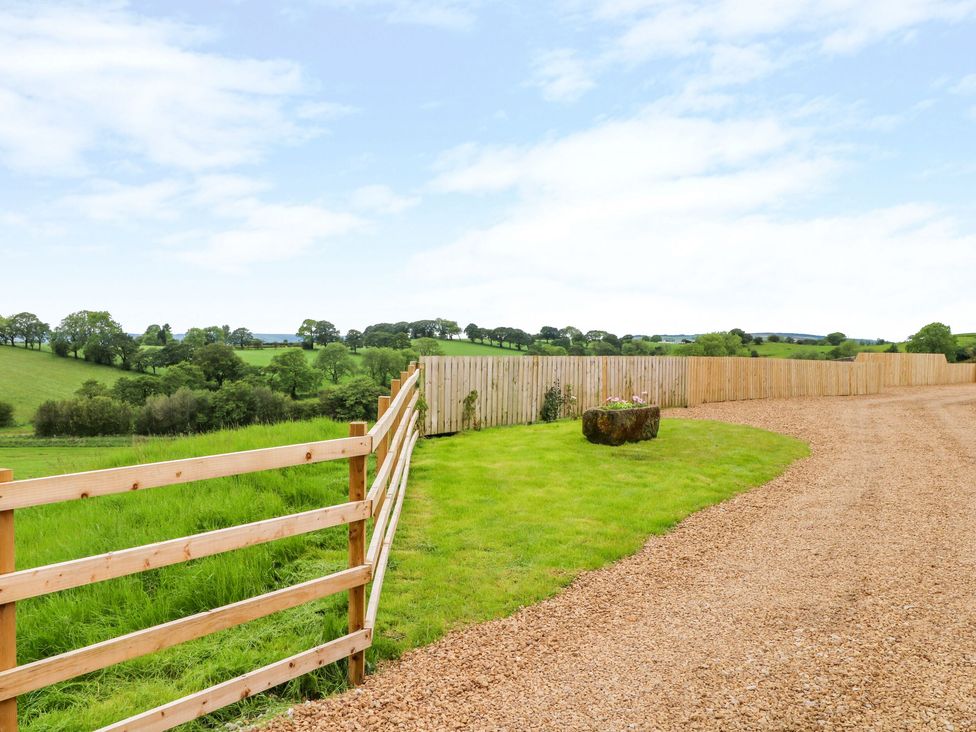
{"points": [[99, 415], [302, 409], [552, 403], [270, 406], [6, 414], [183, 375], [354, 400], [92, 388], [182, 412], [235, 405], [135, 390]]}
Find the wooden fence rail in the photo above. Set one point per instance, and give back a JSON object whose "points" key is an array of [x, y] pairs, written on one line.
{"points": [[510, 390], [392, 438]]}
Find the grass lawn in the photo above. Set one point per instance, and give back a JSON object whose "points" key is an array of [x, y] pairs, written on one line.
{"points": [[28, 378], [493, 520]]}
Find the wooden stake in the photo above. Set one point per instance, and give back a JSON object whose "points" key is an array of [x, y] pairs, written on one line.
{"points": [[8, 611], [357, 555], [384, 445]]}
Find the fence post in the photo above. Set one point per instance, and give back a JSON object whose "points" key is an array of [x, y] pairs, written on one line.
{"points": [[357, 555], [8, 611]]}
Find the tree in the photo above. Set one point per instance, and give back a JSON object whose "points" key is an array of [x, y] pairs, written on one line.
{"points": [[382, 364], [6, 331], [182, 376], [656, 339], [548, 333], [335, 361], [846, 349], [219, 363], [713, 344], [473, 332], [499, 335], [520, 339], [835, 338], [746, 338], [324, 333], [356, 399], [893, 348], [289, 372], [91, 388], [773, 338], [306, 331], [447, 328], [428, 347], [241, 337], [354, 340], [195, 338], [933, 338], [29, 328], [758, 340], [126, 348], [423, 329]]}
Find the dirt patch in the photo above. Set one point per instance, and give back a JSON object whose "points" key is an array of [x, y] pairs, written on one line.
{"points": [[841, 595]]}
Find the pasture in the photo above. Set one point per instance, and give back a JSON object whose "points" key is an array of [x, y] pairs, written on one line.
{"points": [[493, 520], [29, 377]]}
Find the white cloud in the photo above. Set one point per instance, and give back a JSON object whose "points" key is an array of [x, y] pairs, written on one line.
{"points": [[266, 233], [118, 203], [730, 42], [561, 76], [666, 221], [966, 85], [75, 81], [381, 199]]}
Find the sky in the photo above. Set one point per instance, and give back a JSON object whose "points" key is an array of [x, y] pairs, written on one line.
{"points": [[637, 166]]}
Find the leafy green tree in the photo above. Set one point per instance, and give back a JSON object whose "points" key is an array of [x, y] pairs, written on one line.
{"points": [[713, 344], [423, 329], [548, 333], [474, 333], [354, 340], [240, 337], [656, 339], [847, 349], [499, 335], [773, 338], [382, 364], [893, 348], [933, 338], [174, 352], [135, 390], [325, 333], [835, 338], [306, 331], [219, 363], [184, 375], [91, 388], [746, 338], [30, 329], [6, 331], [758, 340], [428, 347], [195, 338], [602, 348], [126, 348], [356, 399], [335, 361], [447, 328], [290, 373]]}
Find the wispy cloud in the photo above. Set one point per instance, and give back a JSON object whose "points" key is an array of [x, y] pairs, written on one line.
{"points": [[561, 75], [75, 81], [381, 199]]}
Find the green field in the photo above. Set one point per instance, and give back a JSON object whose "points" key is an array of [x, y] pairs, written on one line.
{"points": [[493, 520], [468, 348], [28, 378]]}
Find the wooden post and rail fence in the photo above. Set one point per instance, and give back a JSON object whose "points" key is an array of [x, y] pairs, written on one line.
{"points": [[392, 438], [510, 391]]}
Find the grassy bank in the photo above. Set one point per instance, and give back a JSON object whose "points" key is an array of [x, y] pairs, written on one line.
{"points": [[494, 520]]}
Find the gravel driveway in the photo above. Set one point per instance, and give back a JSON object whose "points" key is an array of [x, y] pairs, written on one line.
{"points": [[842, 595]]}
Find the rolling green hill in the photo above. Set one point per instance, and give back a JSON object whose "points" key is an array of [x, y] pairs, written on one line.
{"points": [[28, 378]]}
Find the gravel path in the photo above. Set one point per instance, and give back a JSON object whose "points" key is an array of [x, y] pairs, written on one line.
{"points": [[842, 595]]}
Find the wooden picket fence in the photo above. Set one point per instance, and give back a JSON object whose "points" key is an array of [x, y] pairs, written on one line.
{"points": [[392, 439], [918, 369], [510, 390]]}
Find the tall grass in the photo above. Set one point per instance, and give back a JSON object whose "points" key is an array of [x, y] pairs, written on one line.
{"points": [[493, 520]]}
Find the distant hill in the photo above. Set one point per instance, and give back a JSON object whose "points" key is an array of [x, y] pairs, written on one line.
{"points": [[267, 337]]}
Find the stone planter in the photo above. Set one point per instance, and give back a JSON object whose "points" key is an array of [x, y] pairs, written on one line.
{"points": [[617, 426]]}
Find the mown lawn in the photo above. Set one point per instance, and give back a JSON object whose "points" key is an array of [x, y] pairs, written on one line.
{"points": [[493, 520]]}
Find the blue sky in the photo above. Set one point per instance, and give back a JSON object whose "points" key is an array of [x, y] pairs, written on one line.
{"points": [[633, 165]]}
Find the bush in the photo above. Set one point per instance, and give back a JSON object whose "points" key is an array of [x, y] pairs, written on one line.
{"points": [[135, 390], [354, 400], [302, 409], [552, 403], [99, 415], [234, 405], [182, 376], [6, 414], [182, 412], [270, 406]]}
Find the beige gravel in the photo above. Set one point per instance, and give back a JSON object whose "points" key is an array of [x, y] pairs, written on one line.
{"points": [[840, 596]]}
